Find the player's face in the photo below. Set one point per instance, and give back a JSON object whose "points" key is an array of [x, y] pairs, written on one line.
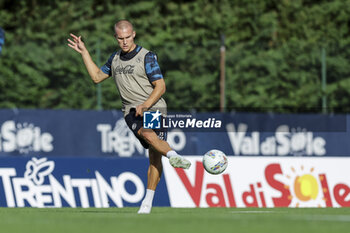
{"points": [[125, 38]]}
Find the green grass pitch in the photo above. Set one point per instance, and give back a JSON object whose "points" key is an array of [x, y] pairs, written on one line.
{"points": [[175, 220]]}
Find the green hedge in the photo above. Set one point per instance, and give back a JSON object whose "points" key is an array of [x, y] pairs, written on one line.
{"points": [[273, 52]]}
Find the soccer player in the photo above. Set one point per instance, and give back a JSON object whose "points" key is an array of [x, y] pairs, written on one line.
{"points": [[141, 85]]}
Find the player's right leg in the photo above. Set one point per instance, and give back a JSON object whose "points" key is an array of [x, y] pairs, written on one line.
{"points": [[149, 138], [163, 148]]}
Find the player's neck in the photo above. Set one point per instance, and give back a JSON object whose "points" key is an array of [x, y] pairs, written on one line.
{"points": [[133, 47], [125, 56]]}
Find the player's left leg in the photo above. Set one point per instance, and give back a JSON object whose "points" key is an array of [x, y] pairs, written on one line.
{"points": [[155, 170]]}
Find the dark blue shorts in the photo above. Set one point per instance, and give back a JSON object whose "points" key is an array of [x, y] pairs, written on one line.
{"points": [[136, 123]]}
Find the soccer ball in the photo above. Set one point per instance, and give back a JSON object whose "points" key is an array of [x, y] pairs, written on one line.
{"points": [[215, 162]]}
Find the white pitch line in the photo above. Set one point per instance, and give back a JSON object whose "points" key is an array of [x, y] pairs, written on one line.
{"points": [[253, 212]]}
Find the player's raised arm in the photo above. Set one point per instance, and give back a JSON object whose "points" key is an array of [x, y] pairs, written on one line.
{"points": [[78, 45]]}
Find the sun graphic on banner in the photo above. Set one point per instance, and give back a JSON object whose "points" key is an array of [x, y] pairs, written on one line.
{"points": [[25, 137], [305, 188]]}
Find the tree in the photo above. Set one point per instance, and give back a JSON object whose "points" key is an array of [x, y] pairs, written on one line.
{"points": [[273, 52]]}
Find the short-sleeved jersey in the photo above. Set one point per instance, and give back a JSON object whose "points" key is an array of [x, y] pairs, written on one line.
{"points": [[133, 76]]}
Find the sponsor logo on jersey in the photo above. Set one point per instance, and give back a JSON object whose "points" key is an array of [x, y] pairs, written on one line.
{"points": [[129, 69]]}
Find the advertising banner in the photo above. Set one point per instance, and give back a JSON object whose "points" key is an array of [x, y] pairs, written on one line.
{"points": [[75, 182], [104, 133], [120, 182], [262, 182]]}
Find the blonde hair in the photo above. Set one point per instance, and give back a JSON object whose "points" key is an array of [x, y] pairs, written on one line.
{"points": [[122, 24]]}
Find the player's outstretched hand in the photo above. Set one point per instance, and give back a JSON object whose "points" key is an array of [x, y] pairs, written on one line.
{"points": [[76, 43]]}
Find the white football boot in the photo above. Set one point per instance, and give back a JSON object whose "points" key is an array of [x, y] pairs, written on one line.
{"points": [[145, 209], [179, 161]]}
